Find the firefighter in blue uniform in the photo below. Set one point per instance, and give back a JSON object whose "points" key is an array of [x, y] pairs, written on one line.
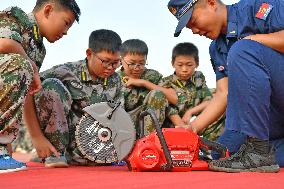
{"points": [[247, 54]]}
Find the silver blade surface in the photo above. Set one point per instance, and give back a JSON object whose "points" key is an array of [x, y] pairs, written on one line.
{"points": [[105, 140]]}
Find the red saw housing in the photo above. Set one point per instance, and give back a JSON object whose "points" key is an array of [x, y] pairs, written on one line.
{"points": [[183, 145]]}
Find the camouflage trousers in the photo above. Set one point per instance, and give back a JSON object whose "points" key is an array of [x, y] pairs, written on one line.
{"points": [[53, 105], [214, 130], [16, 75], [155, 100], [23, 142], [57, 120]]}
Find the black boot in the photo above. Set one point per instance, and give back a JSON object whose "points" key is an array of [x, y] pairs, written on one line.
{"points": [[254, 155]]}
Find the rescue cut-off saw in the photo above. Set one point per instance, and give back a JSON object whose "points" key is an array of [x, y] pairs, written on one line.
{"points": [[106, 134]]}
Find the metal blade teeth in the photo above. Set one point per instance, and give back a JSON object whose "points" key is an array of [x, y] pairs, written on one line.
{"points": [[95, 149]]}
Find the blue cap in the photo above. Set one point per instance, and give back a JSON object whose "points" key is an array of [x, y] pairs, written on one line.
{"points": [[182, 10]]}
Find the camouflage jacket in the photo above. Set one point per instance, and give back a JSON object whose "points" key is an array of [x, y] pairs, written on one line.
{"points": [[135, 96], [15, 24], [190, 93], [83, 89]]}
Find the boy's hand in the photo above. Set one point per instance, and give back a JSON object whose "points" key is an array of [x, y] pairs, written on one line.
{"points": [[36, 83], [44, 148], [181, 126], [125, 79], [189, 127], [133, 82], [187, 117]]}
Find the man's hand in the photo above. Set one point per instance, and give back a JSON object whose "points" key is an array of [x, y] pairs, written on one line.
{"points": [[36, 83], [191, 128], [273, 40], [44, 148]]}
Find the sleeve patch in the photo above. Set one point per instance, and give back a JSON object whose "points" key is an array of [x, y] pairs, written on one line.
{"points": [[264, 11]]}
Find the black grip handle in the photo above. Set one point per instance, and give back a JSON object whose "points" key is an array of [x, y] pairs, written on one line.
{"points": [[221, 149], [169, 165], [113, 104]]}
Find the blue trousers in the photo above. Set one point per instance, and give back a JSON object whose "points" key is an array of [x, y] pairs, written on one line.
{"points": [[234, 139], [255, 96], [255, 91]]}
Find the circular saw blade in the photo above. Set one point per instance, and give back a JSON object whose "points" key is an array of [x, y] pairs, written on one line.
{"points": [[104, 140], [91, 143]]}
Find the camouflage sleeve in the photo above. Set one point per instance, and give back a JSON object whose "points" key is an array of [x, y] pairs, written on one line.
{"points": [[202, 90], [159, 78], [154, 76], [9, 28], [66, 74], [164, 82], [171, 110], [61, 72]]}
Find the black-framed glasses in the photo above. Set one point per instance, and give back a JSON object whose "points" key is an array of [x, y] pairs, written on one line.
{"points": [[133, 65], [108, 63]]}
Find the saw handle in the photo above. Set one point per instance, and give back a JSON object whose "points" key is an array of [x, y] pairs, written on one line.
{"points": [[210, 145], [151, 113], [113, 104]]}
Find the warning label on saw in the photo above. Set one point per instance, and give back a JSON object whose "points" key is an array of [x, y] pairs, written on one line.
{"points": [[181, 158]]}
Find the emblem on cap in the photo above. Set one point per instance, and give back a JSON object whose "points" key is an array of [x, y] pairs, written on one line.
{"points": [[182, 10], [186, 7]]}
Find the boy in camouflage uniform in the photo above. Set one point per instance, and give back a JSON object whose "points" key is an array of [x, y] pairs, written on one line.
{"points": [[70, 87], [141, 91], [21, 54], [191, 89]]}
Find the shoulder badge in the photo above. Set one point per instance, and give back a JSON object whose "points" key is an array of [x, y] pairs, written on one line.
{"points": [[263, 11]]}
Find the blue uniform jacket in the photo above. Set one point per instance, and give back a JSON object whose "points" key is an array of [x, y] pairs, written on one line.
{"points": [[245, 18]]}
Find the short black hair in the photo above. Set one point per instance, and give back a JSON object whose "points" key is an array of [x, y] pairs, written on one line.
{"points": [[185, 49], [68, 4], [134, 46], [104, 40]]}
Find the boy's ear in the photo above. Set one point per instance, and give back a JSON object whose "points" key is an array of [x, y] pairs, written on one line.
{"points": [[48, 8], [196, 65], [89, 52]]}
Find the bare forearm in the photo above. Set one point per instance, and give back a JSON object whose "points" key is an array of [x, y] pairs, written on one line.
{"points": [[30, 118], [211, 113], [176, 120], [199, 108], [42, 145], [169, 93], [215, 108], [11, 46], [273, 40]]}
